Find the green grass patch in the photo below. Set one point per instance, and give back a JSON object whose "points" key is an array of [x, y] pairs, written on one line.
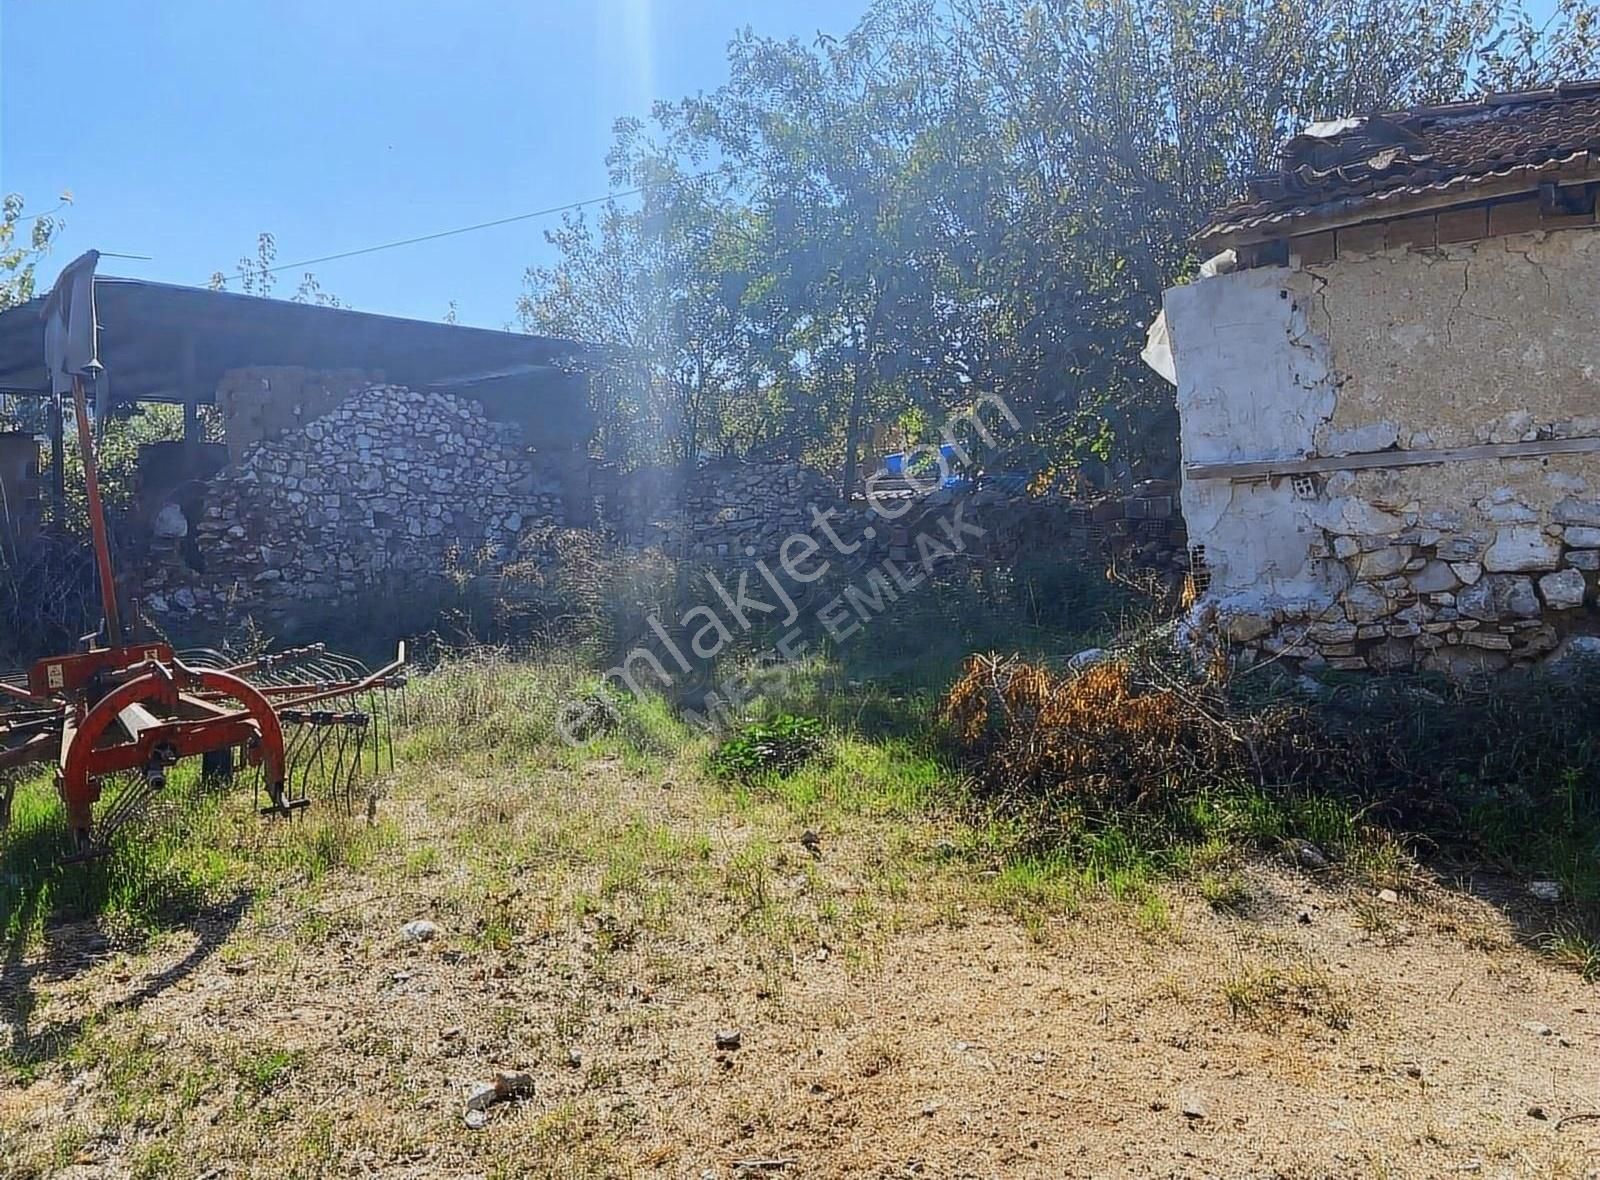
{"points": [[167, 865], [777, 746]]}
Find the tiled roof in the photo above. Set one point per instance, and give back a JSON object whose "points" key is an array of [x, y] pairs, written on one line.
{"points": [[1382, 160]]}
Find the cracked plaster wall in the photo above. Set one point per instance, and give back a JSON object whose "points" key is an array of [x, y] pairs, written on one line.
{"points": [[1482, 342]]}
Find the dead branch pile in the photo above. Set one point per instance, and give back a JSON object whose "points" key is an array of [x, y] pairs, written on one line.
{"points": [[1136, 731], [1102, 735], [47, 597]]}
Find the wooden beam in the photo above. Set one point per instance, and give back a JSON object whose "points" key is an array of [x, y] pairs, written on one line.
{"points": [[1259, 469]]}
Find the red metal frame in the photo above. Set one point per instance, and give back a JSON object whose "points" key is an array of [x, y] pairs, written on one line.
{"points": [[137, 707]]}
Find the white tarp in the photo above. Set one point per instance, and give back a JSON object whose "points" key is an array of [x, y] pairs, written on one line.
{"points": [[1157, 350], [71, 345]]}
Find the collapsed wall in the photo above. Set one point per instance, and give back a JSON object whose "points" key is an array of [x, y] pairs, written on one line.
{"points": [[1392, 460]]}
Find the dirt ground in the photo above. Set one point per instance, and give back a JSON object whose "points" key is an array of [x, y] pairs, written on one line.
{"points": [[601, 929]]}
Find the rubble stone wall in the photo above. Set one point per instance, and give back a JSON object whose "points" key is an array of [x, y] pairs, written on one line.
{"points": [[1461, 565], [263, 402], [394, 484], [389, 482]]}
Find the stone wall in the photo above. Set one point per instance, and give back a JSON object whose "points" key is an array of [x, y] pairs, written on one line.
{"points": [[1457, 565], [260, 403], [390, 482], [724, 508], [21, 490], [395, 484]]}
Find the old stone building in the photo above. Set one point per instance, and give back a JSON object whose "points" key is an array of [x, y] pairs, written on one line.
{"points": [[1388, 390], [389, 486]]}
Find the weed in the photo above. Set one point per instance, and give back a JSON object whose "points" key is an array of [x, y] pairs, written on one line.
{"points": [[1377, 921], [265, 1070], [1264, 992], [1153, 917], [774, 747], [1576, 950], [1225, 892]]}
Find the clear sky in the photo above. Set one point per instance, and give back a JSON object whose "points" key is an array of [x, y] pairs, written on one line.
{"points": [[185, 127]]}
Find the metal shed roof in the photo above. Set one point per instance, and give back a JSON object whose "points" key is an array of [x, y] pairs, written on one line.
{"points": [[149, 332]]}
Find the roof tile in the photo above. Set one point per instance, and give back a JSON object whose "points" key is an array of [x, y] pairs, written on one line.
{"points": [[1382, 159]]}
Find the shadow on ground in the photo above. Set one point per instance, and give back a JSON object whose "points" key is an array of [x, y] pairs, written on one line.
{"points": [[72, 948]]}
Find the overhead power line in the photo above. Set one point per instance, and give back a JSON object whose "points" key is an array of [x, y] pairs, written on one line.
{"points": [[467, 229]]}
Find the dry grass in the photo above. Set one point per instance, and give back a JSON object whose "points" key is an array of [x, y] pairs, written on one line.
{"points": [[917, 994]]}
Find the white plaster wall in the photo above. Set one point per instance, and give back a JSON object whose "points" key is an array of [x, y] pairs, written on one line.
{"points": [[1254, 382], [1490, 341]]}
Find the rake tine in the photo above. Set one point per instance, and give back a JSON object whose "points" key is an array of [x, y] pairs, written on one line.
{"points": [[110, 819], [341, 737], [322, 767], [352, 768], [386, 733], [358, 739], [129, 803], [371, 711], [293, 758]]}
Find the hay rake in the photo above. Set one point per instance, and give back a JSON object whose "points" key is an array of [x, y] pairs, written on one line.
{"points": [[129, 709]]}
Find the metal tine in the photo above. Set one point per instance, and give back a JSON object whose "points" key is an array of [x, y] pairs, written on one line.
{"points": [[297, 741], [110, 818], [337, 736], [372, 712], [128, 803], [322, 740], [338, 763], [388, 724], [355, 742], [311, 762], [328, 784]]}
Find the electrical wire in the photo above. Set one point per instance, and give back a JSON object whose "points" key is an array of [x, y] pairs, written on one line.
{"points": [[467, 229]]}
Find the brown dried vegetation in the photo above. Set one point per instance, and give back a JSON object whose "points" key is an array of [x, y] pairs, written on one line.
{"points": [[1102, 734]]}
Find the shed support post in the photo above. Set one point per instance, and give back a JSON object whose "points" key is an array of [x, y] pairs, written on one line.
{"points": [[190, 386], [58, 455]]}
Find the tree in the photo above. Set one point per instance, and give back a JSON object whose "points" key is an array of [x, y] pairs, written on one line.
{"points": [[980, 195], [23, 242], [19, 255], [662, 285], [1123, 123], [844, 154], [258, 275]]}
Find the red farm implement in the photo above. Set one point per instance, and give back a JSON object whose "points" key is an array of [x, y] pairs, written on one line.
{"points": [[116, 716]]}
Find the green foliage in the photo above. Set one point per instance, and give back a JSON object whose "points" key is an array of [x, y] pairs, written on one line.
{"points": [[982, 194], [23, 241], [171, 869], [777, 746], [258, 276]]}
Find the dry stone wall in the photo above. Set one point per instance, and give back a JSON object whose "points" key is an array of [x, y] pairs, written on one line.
{"points": [[262, 402], [726, 507], [390, 483], [393, 487]]}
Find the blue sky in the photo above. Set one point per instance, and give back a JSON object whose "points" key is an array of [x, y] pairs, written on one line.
{"points": [[190, 126]]}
